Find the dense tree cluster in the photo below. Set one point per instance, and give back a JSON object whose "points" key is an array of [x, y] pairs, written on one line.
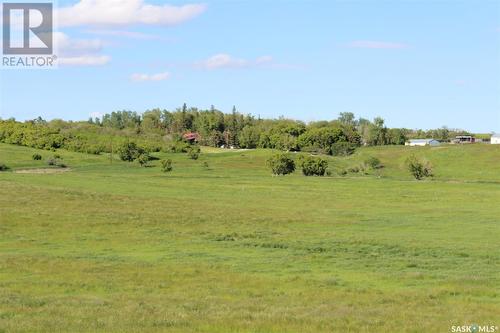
{"points": [[156, 130]]}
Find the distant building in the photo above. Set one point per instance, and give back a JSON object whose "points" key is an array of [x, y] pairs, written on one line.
{"points": [[191, 137], [464, 139], [422, 142], [495, 139]]}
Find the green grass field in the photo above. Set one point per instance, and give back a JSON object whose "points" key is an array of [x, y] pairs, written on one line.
{"points": [[229, 248]]}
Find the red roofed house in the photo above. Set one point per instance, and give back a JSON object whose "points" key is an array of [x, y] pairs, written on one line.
{"points": [[191, 137]]}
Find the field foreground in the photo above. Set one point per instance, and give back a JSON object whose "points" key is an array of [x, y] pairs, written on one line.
{"points": [[228, 248]]}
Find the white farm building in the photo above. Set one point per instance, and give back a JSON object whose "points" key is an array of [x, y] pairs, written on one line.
{"points": [[495, 139], [422, 142]]}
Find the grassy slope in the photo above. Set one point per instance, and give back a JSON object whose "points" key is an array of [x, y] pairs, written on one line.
{"points": [[122, 248]]}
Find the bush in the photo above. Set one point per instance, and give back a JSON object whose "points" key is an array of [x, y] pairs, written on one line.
{"points": [[281, 164], [166, 165], [194, 153], [143, 159], [313, 166], [373, 163], [3, 167], [419, 168], [56, 160], [360, 168], [37, 157], [129, 151]]}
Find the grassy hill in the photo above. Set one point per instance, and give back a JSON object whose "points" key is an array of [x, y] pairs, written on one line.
{"points": [[113, 247]]}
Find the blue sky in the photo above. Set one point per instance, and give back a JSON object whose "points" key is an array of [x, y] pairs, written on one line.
{"points": [[417, 64]]}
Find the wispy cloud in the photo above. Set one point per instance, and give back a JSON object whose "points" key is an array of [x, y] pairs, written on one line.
{"points": [[150, 77], [125, 12], [370, 44], [67, 46], [223, 60], [123, 33]]}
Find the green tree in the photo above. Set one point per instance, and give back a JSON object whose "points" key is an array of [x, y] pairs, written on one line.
{"points": [[249, 137]]}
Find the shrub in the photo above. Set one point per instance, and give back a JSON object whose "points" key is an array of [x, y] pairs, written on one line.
{"points": [[194, 153], [3, 167], [419, 168], [360, 168], [281, 164], [354, 169], [129, 151], [166, 165], [313, 166], [179, 147], [56, 160], [343, 172], [373, 163], [143, 159], [37, 157]]}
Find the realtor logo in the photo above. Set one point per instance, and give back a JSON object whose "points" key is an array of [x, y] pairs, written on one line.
{"points": [[28, 39], [36, 23]]}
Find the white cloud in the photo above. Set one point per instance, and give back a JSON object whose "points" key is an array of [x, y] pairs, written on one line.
{"points": [[85, 60], [96, 115], [150, 77], [125, 12], [79, 52], [370, 44], [223, 60], [264, 60]]}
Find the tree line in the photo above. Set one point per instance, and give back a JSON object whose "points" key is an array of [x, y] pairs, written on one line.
{"points": [[162, 130]]}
